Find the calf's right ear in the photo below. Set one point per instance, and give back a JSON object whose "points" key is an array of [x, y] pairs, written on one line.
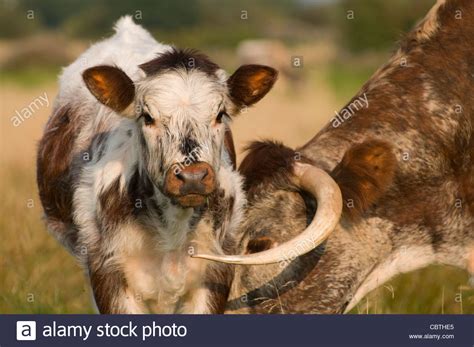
{"points": [[112, 87], [249, 83]]}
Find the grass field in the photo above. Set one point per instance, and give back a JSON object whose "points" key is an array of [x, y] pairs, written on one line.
{"points": [[38, 276]]}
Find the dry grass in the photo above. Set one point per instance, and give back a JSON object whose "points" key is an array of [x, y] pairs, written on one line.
{"points": [[38, 276]]}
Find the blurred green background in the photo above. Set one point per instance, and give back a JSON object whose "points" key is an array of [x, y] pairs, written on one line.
{"points": [[340, 44]]}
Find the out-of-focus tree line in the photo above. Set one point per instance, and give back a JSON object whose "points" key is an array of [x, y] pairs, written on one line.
{"points": [[357, 24]]}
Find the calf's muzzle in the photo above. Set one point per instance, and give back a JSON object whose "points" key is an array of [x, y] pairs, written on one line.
{"points": [[190, 185]]}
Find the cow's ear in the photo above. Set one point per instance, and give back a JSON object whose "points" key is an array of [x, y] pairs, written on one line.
{"points": [[250, 83], [111, 86]]}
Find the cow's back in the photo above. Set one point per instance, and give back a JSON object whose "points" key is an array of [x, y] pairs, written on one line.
{"points": [[421, 103], [422, 96]]}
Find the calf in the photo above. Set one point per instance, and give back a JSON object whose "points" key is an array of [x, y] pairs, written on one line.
{"points": [[136, 171]]}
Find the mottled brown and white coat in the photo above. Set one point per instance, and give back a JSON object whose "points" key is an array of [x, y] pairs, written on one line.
{"points": [[405, 166], [136, 171]]}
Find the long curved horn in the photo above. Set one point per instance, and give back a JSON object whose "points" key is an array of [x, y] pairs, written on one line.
{"points": [[318, 183]]}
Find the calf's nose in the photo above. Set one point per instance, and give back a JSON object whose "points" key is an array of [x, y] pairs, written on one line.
{"points": [[197, 179], [192, 177]]}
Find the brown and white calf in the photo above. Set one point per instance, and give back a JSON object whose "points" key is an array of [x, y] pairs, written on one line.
{"points": [[405, 166], [136, 171]]}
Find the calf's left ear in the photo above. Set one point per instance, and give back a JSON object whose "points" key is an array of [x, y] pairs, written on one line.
{"points": [[111, 86], [249, 83]]}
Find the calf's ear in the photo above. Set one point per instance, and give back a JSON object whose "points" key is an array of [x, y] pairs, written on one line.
{"points": [[249, 83], [112, 87]]}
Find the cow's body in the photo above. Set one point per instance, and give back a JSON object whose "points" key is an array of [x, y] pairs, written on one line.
{"points": [[101, 175], [421, 103]]}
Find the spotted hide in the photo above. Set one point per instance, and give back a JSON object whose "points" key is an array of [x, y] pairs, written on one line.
{"points": [[405, 166]]}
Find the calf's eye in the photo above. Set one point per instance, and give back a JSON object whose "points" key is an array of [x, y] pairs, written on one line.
{"points": [[148, 119], [219, 117]]}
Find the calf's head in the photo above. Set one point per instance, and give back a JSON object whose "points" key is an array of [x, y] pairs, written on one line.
{"points": [[182, 108]]}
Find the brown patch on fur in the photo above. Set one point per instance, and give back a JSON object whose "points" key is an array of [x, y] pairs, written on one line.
{"points": [[229, 146], [115, 205], [250, 83], [188, 59], [259, 244], [53, 166], [108, 286], [218, 281], [110, 85], [364, 175], [267, 162]]}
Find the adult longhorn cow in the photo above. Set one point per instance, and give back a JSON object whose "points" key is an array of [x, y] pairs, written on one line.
{"points": [[404, 161], [136, 171]]}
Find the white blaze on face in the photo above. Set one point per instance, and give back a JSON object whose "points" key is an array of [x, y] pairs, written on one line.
{"points": [[179, 96]]}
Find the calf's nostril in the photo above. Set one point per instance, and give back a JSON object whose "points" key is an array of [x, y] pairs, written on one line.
{"points": [[180, 176], [204, 174], [201, 175]]}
